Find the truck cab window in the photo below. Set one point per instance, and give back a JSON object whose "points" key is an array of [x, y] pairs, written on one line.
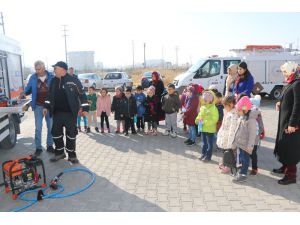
{"points": [[211, 68], [227, 63]]}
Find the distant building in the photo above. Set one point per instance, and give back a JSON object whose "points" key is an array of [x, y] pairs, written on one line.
{"points": [[82, 61], [155, 63]]}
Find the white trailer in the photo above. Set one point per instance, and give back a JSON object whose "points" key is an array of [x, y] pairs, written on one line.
{"points": [[11, 85], [263, 62]]}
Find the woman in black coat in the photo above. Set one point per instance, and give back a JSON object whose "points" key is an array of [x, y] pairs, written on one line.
{"points": [[159, 90], [287, 146]]}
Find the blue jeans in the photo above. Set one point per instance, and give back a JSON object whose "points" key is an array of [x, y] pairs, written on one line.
{"points": [[192, 133], [208, 142], [38, 118], [245, 160]]}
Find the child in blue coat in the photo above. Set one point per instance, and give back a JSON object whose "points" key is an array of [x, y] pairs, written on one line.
{"points": [[140, 98]]}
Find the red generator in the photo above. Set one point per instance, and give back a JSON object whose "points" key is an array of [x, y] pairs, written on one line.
{"points": [[23, 174]]}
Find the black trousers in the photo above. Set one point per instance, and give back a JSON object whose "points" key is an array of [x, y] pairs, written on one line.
{"points": [[140, 122], [254, 158], [129, 123], [65, 120], [104, 117]]}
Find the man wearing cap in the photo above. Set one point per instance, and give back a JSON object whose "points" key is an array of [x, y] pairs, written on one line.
{"points": [[38, 87], [66, 96]]}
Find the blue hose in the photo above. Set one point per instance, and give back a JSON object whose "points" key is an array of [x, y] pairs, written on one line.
{"points": [[58, 193]]}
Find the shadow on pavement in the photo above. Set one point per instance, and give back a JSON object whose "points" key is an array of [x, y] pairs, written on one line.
{"points": [[102, 196]]}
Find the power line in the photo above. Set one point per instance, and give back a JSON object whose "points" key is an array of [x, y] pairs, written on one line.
{"points": [[65, 36]]}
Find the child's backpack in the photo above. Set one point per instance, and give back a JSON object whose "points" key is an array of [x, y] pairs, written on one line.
{"points": [[229, 160]]}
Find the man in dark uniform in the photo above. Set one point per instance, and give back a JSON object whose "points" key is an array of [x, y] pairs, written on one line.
{"points": [[66, 96]]}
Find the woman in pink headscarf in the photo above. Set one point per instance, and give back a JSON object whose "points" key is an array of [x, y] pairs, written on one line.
{"points": [[159, 89]]}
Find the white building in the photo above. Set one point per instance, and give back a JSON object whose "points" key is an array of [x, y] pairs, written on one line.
{"points": [[81, 60]]}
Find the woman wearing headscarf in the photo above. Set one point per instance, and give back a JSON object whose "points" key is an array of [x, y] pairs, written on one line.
{"points": [[232, 72], [159, 89], [287, 145], [244, 82]]}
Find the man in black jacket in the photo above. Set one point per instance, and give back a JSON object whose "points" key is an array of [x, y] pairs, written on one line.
{"points": [[66, 96]]}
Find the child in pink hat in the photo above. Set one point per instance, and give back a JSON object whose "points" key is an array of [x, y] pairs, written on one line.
{"points": [[245, 136]]}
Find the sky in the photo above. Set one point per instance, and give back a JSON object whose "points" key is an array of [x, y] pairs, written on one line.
{"points": [[111, 29]]}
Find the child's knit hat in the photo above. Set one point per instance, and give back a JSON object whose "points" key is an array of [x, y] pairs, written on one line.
{"points": [[152, 89], [208, 96], [244, 103]]}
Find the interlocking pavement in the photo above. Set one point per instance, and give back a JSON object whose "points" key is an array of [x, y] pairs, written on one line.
{"points": [[148, 173]]}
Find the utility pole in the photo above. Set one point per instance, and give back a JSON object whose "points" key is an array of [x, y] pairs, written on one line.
{"points": [[176, 50], [162, 57], [65, 36], [144, 55], [2, 23], [132, 54]]}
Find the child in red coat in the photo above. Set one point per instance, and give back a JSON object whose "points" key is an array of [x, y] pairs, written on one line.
{"points": [[190, 110]]}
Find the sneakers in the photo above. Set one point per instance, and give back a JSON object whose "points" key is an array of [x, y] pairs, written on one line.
{"points": [[202, 157], [149, 132], [240, 178], [154, 132], [187, 141], [173, 134], [58, 157], [206, 159], [50, 149], [73, 160], [225, 170], [191, 143], [79, 129], [97, 129], [253, 172], [38, 151], [166, 133]]}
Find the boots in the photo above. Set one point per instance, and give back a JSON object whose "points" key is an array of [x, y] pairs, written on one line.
{"points": [[286, 181]]}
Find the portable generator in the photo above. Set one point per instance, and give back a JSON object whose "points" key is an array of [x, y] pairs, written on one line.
{"points": [[23, 174]]}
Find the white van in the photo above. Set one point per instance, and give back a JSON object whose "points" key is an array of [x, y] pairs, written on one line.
{"points": [[263, 63]]}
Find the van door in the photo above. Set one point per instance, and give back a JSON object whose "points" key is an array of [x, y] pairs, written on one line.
{"points": [[3, 75], [208, 74]]}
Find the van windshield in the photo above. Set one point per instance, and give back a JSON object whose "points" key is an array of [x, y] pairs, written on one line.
{"points": [[196, 66]]}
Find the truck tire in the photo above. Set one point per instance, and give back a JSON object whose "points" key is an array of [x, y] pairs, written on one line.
{"points": [[276, 93], [11, 140]]}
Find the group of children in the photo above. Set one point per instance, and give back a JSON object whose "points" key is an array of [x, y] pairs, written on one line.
{"points": [[100, 106], [131, 110], [234, 123]]}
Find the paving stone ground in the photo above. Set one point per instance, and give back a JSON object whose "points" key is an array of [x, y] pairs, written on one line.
{"points": [[146, 173]]}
